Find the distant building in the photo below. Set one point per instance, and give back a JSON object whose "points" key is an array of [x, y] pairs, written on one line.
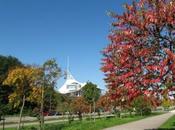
{"points": [[71, 86]]}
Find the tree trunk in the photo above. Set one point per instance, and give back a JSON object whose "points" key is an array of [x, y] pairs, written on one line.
{"points": [[3, 123], [94, 109], [80, 115], [39, 119], [130, 113], [21, 111], [70, 117], [90, 111], [41, 111], [50, 103]]}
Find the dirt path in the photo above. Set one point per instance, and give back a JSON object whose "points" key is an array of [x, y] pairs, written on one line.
{"points": [[145, 124]]}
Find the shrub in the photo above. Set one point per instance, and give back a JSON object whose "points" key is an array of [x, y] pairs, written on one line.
{"points": [[54, 127], [142, 105]]}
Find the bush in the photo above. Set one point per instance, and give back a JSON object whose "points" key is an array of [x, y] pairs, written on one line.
{"points": [[146, 111], [33, 128], [54, 127], [88, 118], [47, 127], [142, 105], [29, 128]]}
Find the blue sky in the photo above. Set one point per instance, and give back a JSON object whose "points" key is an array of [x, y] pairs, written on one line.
{"points": [[36, 30]]}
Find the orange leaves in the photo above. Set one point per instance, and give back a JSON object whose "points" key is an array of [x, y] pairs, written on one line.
{"points": [[35, 95], [80, 105], [151, 17], [25, 82], [104, 102], [127, 32], [170, 54], [144, 52]]}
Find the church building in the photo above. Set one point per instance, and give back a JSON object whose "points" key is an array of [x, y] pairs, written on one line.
{"points": [[71, 86]]}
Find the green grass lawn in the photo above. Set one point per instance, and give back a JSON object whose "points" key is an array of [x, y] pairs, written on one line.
{"points": [[88, 124], [104, 123], [100, 123], [170, 123]]}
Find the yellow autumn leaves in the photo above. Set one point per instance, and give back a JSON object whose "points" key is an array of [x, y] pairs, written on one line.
{"points": [[26, 81]]}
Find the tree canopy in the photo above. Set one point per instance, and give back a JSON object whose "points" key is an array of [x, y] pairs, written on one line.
{"points": [[7, 63], [140, 59], [91, 92]]}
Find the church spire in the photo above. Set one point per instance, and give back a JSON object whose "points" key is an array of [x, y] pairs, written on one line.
{"points": [[68, 74], [71, 85], [68, 64]]}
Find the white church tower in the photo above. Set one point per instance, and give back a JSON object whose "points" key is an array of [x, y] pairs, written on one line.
{"points": [[71, 86]]}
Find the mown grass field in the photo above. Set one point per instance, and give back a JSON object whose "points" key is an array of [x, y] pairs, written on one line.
{"points": [[88, 124], [85, 124], [169, 124]]}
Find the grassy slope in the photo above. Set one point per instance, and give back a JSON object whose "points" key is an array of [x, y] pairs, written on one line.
{"points": [[170, 123]]}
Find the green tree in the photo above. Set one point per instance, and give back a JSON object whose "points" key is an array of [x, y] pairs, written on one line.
{"points": [[51, 73], [5, 91], [91, 93], [68, 107], [51, 99], [142, 105], [4, 105], [6, 64]]}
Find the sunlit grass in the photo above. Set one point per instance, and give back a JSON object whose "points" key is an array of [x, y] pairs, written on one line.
{"points": [[88, 124], [170, 123]]}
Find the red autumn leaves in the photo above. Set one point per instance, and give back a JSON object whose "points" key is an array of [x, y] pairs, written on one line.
{"points": [[140, 58]]}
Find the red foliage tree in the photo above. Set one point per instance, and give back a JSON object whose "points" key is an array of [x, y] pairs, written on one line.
{"points": [[140, 58], [104, 102], [79, 106]]}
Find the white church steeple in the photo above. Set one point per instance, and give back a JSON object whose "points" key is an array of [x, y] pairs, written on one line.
{"points": [[71, 85], [68, 74]]}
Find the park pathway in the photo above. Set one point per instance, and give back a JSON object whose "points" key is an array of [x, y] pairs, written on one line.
{"points": [[149, 123]]}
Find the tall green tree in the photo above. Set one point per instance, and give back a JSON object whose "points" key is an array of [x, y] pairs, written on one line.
{"points": [[51, 99], [51, 73], [5, 108], [6, 64], [91, 93]]}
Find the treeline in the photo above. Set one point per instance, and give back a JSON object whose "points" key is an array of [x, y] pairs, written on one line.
{"points": [[30, 90], [27, 89]]}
